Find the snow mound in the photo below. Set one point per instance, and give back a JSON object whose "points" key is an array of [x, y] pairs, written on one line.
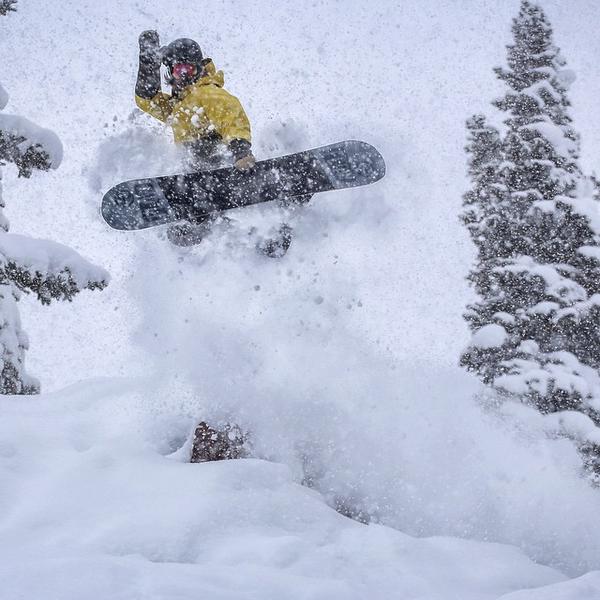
{"points": [[123, 518]]}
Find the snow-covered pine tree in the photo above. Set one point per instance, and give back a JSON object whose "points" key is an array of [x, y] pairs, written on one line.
{"points": [[529, 212], [49, 270]]}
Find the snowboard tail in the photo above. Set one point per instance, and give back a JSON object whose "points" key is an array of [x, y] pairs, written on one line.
{"points": [[143, 203]]}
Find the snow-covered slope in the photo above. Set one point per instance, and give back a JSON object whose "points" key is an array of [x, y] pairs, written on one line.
{"points": [[340, 358], [95, 505]]}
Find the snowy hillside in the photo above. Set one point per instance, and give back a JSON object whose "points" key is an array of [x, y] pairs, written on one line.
{"points": [[340, 358]]}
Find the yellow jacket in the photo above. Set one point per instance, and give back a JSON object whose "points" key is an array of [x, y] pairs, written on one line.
{"points": [[202, 108]]}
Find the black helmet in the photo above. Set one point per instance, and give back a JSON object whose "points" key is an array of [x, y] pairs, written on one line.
{"points": [[182, 50]]}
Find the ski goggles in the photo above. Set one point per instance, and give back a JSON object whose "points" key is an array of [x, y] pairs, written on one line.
{"points": [[181, 70]]}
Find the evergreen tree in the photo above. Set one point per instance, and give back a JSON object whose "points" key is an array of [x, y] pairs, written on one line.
{"points": [[535, 326], [49, 270]]}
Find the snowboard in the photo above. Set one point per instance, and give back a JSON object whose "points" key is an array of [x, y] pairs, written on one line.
{"points": [[196, 196]]}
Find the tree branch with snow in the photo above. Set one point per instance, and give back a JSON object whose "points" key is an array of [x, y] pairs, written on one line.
{"points": [[7, 6], [50, 270], [28, 146]]}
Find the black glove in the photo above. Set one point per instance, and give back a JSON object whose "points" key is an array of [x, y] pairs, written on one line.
{"points": [[148, 79], [242, 154], [240, 148]]}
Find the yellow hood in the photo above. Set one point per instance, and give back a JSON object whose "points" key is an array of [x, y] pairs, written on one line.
{"points": [[212, 76]]}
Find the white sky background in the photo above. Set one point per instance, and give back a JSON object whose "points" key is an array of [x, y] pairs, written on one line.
{"points": [[401, 75]]}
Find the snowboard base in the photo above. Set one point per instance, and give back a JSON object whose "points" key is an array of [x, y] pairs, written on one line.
{"points": [[144, 203]]}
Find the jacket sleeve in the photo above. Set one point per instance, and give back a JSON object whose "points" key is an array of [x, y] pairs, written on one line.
{"points": [[158, 106], [228, 117]]}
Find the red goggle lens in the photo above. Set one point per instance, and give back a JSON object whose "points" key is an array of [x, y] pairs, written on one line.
{"points": [[180, 70]]}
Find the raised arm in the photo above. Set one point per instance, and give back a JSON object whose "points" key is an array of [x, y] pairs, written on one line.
{"points": [[147, 87]]}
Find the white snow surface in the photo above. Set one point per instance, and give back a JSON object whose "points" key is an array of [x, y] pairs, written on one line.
{"points": [[339, 358], [489, 336]]}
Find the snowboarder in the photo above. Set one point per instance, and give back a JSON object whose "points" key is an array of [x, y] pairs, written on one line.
{"points": [[206, 120]]}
